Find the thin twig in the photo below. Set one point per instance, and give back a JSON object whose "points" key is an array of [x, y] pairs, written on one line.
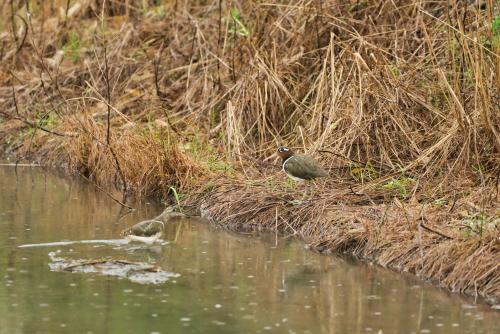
{"points": [[161, 95], [156, 70], [434, 231], [108, 91], [12, 20], [108, 129], [218, 44], [20, 46], [25, 121]]}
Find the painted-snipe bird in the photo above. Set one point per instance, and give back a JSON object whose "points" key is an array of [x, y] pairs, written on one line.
{"points": [[300, 166], [149, 231]]}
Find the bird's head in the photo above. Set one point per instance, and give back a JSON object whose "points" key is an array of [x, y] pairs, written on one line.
{"points": [[284, 152]]}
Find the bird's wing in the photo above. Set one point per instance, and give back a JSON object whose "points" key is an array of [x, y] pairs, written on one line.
{"points": [[315, 168], [153, 228], [310, 167]]}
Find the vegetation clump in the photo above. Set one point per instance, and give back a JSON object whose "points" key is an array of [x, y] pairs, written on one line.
{"points": [[399, 100]]}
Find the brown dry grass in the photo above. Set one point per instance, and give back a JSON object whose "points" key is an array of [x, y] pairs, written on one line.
{"points": [[400, 99], [423, 238]]}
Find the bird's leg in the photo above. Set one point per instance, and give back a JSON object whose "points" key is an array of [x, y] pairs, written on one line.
{"points": [[305, 193], [297, 201], [291, 184], [310, 190]]}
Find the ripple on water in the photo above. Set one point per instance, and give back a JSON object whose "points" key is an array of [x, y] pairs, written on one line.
{"points": [[217, 268]]}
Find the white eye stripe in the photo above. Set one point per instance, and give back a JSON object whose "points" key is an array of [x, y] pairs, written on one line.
{"points": [[284, 149]]}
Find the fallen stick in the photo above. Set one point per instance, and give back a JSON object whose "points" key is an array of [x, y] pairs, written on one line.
{"points": [[116, 242], [21, 165], [434, 231]]}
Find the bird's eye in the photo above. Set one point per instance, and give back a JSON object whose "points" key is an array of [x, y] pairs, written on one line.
{"points": [[283, 149]]}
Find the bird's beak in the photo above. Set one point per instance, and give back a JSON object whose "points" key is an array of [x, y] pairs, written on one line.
{"points": [[274, 155]]}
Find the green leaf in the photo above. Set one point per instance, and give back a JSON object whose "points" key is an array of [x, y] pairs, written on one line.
{"points": [[495, 25], [240, 28]]}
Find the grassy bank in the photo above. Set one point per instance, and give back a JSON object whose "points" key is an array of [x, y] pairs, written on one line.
{"points": [[399, 100]]}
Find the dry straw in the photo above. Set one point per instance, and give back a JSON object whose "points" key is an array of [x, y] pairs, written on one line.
{"points": [[399, 99]]}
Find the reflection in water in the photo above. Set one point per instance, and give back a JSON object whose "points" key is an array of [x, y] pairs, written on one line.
{"points": [[227, 283]]}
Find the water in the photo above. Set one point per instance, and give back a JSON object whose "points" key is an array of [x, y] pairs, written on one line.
{"points": [[228, 283]]}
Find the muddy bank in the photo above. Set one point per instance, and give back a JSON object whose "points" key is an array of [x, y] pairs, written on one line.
{"points": [[450, 248]]}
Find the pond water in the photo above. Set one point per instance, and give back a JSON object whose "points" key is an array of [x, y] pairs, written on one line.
{"points": [[220, 282]]}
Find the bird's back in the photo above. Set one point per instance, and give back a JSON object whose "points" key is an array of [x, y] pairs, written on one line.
{"points": [[145, 228], [305, 167]]}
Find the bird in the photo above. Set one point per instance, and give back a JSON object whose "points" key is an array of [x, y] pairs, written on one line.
{"points": [[149, 231], [299, 167]]}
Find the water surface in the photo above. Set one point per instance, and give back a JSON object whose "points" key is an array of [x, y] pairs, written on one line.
{"points": [[228, 283]]}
